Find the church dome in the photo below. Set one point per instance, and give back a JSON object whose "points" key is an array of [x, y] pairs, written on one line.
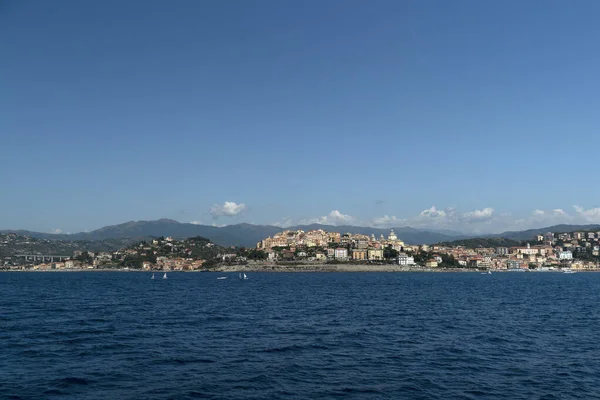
{"points": [[392, 235]]}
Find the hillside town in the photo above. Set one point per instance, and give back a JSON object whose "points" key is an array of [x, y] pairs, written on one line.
{"points": [[575, 250], [157, 254], [319, 248]]}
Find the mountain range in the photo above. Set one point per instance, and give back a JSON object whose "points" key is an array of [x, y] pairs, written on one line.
{"points": [[246, 235], [249, 235]]}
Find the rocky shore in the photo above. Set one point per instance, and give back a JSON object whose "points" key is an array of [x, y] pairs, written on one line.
{"points": [[322, 268]]}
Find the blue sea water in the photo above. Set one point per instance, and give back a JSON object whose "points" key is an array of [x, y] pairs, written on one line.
{"points": [[119, 335]]}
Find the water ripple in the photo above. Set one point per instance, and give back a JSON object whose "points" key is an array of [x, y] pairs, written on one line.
{"points": [[299, 336]]}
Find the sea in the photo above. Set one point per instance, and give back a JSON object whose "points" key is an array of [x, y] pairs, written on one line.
{"points": [[122, 335]]}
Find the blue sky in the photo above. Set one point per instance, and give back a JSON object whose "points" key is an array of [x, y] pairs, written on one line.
{"points": [[476, 116]]}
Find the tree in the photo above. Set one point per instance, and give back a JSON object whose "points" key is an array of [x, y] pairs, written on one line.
{"points": [[256, 254], [85, 258], [449, 261], [208, 264], [132, 261], [389, 253], [422, 256]]}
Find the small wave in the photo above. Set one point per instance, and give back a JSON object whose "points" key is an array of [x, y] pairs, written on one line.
{"points": [[31, 353], [361, 390], [284, 349], [196, 395], [261, 378], [183, 361], [71, 381], [53, 392], [476, 392]]}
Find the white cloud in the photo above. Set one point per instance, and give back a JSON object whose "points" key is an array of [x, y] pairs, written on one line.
{"points": [[335, 217], [285, 222], [433, 217], [339, 218], [591, 215], [197, 222], [433, 213], [57, 231], [479, 221], [387, 220], [227, 209], [450, 217], [485, 214], [487, 220], [537, 219]]}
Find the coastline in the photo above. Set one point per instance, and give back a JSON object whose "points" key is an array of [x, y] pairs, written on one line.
{"points": [[322, 268], [300, 268], [268, 268]]}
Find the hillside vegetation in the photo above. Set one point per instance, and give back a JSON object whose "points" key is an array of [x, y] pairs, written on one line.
{"points": [[12, 244], [483, 242]]}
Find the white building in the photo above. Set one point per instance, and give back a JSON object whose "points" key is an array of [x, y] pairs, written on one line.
{"points": [[502, 251], [404, 259], [341, 253], [565, 255]]}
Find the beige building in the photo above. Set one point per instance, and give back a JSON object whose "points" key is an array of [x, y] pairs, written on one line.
{"points": [[375, 254], [359, 254], [147, 265]]}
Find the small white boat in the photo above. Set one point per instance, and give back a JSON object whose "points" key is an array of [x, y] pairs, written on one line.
{"points": [[221, 277], [243, 276], [568, 271], [165, 276], [152, 276]]}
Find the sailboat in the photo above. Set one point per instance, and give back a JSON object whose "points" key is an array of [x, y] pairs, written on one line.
{"points": [[152, 276], [165, 276], [245, 277]]}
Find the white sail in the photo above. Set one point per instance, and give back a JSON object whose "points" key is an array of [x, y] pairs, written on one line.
{"points": [[165, 276]]}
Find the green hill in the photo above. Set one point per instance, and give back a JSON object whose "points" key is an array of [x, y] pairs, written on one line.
{"points": [[483, 242]]}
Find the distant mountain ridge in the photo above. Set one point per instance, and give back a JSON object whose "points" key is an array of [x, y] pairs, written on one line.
{"points": [[249, 235], [246, 235], [532, 233]]}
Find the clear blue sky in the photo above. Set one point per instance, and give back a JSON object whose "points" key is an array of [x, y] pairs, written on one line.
{"points": [[370, 112]]}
